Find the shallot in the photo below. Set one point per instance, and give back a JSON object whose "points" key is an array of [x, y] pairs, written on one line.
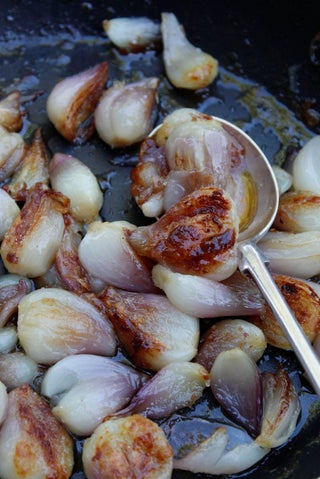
{"points": [[3, 401], [16, 368], [12, 150], [133, 34], [12, 289], [298, 211], [10, 111], [8, 212], [305, 170]]}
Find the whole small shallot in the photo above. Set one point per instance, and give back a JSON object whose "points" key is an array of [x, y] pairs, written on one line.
{"points": [[126, 112], [33, 443], [133, 34], [186, 65], [62, 323], [74, 179], [305, 171], [71, 103], [298, 211], [120, 446], [10, 111]]}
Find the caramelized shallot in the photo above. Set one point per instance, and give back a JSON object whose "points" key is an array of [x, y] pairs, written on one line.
{"points": [[298, 211], [85, 388], [196, 236], [10, 111], [186, 65], [75, 180], [71, 103], [126, 448], [126, 113], [8, 212], [12, 289], [62, 323], [134, 34], [33, 443], [151, 330], [12, 150]]}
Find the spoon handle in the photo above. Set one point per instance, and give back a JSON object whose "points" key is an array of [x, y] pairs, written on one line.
{"points": [[252, 261]]}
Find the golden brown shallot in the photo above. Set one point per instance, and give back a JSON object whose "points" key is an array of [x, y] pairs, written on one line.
{"points": [[12, 289], [298, 211], [196, 236], [71, 103], [62, 323], [17, 368], [75, 180], [10, 111], [281, 409], [30, 244], [85, 388], [33, 169], [186, 66], [151, 330], [175, 386], [133, 34], [12, 150], [229, 334], [294, 254], [127, 447], [8, 212], [33, 443], [304, 301], [207, 298], [8, 339], [126, 112], [305, 170]]}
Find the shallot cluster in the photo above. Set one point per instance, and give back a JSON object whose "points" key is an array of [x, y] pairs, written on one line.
{"points": [[109, 328]]}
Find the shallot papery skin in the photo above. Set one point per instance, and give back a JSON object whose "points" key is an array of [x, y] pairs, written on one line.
{"points": [[130, 447], [3, 401], [151, 330], [305, 168], [133, 34], [236, 384], [12, 289], [33, 169], [228, 334], [74, 179], [86, 388], [71, 103], [33, 443], [293, 254], [207, 298], [298, 211], [303, 300], [117, 264], [175, 386], [17, 368], [30, 244], [12, 150], [196, 236], [8, 212], [10, 111], [281, 409], [62, 323], [186, 65], [126, 112]]}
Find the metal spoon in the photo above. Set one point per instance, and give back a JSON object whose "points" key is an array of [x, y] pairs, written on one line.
{"points": [[252, 260]]}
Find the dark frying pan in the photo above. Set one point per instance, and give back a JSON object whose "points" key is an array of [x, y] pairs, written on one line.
{"points": [[269, 84]]}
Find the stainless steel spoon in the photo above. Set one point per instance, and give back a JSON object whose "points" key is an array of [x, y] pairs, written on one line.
{"points": [[253, 262]]}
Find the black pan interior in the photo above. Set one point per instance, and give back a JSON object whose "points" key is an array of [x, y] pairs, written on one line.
{"points": [[269, 84]]}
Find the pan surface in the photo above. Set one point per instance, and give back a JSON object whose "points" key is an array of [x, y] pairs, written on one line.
{"points": [[269, 84]]}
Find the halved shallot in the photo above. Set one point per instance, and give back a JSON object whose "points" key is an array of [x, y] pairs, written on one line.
{"points": [[8, 212], [10, 111], [62, 323], [236, 384], [186, 66], [85, 388], [228, 334], [298, 211], [126, 112], [127, 447], [33, 443], [133, 34], [17, 368], [196, 236], [74, 179], [33, 170], [117, 264], [151, 330], [30, 244], [12, 150], [3, 402], [175, 386], [71, 103], [305, 171], [207, 298]]}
